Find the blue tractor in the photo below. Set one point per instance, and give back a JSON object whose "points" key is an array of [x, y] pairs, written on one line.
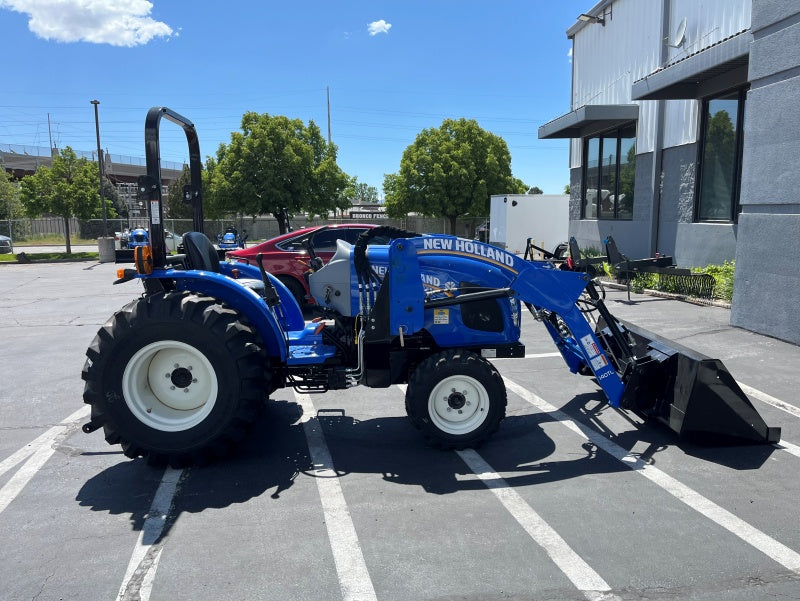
{"points": [[231, 239], [138, 237], [179, 373]]}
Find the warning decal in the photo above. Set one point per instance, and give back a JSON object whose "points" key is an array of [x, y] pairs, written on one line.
{"points": [[156, 216], [599, 362], [590, 346], [441, 316]]}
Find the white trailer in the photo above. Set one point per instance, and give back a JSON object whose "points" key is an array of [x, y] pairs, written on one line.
{"points": [[544, 218]]}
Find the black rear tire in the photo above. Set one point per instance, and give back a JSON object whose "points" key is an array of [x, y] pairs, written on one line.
{"points": [[297, 290], [175, 378], [456, 398]]}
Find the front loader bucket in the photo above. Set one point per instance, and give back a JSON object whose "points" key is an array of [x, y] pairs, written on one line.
{"points": [[691, 393]]}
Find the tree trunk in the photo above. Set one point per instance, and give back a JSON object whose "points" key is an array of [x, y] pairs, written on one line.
{"points": [[66, 235], [283, 221], [281, 225], [453, 224]]}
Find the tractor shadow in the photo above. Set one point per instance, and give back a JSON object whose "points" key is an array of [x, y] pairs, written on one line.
{"points": [[275, 455]]}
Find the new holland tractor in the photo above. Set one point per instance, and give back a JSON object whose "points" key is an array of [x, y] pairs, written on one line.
{"points": [[179, 373]]}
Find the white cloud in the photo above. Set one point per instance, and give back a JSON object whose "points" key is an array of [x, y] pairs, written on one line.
{"points": [[569, 54], [377, 27], [114, 22]]}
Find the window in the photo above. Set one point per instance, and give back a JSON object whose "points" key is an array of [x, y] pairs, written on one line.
{"points": [[325, 240], [720, 161], [609, 161]]}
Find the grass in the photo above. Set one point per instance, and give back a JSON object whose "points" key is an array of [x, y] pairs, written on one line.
{"points": [[82, 256]]}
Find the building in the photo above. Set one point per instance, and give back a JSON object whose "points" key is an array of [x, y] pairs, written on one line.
{"points": [[121, 171], [684, 128]]}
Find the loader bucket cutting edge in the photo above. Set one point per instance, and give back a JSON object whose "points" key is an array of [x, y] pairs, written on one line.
{"points": [[691, 393]]}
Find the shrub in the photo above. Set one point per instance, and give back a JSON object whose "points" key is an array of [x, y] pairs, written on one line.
{"points": [[723, 279]]}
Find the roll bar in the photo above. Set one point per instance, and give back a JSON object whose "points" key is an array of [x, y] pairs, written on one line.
{"points": [[150, 185]]}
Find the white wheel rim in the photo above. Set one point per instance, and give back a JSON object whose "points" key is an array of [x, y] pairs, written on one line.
{"points": [[169, 386], [458, 405]]}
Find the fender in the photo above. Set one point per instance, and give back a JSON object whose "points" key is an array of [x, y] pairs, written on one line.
{"points": [[239, 297], [292, 314]]}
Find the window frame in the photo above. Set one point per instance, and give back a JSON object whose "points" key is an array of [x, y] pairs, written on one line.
{"points": [[738, 144], [617, 134]]}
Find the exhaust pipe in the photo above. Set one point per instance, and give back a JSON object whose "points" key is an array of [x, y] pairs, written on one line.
{"points": [[691, 393]]}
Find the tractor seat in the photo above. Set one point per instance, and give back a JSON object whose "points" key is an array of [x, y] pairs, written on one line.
{"points": [[200, 253]]}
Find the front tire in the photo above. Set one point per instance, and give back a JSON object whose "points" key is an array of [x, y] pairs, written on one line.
{"points": [[175, 377], [456, 398]]}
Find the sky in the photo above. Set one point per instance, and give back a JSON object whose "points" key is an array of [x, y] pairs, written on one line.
{"points": [[389, 68]]}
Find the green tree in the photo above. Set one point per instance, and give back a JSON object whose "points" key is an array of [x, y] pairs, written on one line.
{"points": [[276, 162], [111, 194], [451, 171], [176, 207], [566, 189], [361, 192], [10, 206], [519, 187], [534, 190], [68, 188]]}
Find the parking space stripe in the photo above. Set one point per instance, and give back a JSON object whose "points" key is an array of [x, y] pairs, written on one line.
{"points": [[44, 439], [769, 546], [138, 581], [35, 456], [788, 447], [354, 579], [769, 400], [585, 579]]}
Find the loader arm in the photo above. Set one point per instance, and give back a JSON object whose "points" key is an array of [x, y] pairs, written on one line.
{"points": [[557, 292]]}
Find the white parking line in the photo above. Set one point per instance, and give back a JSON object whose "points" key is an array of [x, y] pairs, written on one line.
{"points": [[37, 453], [138, 581], [788, 447], [354, 580], [769, 546], [42, 440], [769, 400], [585, 579]]}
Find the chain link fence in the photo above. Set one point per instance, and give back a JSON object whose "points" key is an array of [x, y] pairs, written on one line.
{"points": [[260, 228]]}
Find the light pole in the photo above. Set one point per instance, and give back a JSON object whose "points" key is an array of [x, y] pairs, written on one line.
{"points": [[100, 166]]}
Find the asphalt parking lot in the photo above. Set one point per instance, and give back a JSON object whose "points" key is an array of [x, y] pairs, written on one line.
{"points": [[336, 496]]}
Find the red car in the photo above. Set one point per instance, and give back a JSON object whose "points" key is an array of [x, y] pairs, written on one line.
{"points": [[286, 256]]}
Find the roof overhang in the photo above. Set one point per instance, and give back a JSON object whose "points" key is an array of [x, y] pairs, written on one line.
{"points": [[588, 120], [712, 70]]}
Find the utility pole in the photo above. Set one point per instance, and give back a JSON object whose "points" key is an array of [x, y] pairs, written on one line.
{"points": [[328, 93], [50, 133], [100, 166]]}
